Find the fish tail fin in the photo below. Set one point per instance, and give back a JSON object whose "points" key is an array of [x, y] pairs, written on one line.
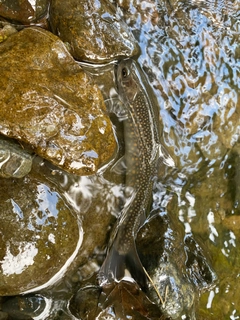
{"points": [[117, 266]]}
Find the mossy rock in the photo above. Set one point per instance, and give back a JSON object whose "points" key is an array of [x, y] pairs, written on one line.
{"points": [[94, 30], [50, 103], [39, 235]]}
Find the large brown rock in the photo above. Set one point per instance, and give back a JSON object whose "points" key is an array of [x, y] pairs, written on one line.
{"points": [[23, 11], [49, 102], [39, 235], [93, 30]]}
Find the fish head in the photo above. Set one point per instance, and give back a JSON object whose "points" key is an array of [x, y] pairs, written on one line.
{"points": [[126, 75]]}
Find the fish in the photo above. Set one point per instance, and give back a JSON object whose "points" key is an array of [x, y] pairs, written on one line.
{"points": [[142, 153]]}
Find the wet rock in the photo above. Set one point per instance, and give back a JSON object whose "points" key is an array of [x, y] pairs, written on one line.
{"points": [[122, 300], [23, 11], [176, 264], [6, 31], [3, 316], [176, 292], [49, 102], [163, 256], [97, 202], [93, 30], [232, 223], [39, 235], [24, 307], [213, 203], [85, 301], [15, 162]]}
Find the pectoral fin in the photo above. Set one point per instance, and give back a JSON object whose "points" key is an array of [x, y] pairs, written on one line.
{"points": [[165, 157], [120, 166], [120, 110]]}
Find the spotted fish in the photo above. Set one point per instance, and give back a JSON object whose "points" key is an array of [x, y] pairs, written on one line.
{"points": [[142, 152]]}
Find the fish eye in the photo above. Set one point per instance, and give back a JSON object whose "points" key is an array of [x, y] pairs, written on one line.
{"points": [[125, 72]]}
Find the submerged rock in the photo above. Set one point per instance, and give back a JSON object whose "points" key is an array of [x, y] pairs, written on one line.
{"points": [[39, 235], [15, 162], [93, 30], [176, 265], [24, 307], [50, 103], [164, 262], [144, 11], [6, 31]]}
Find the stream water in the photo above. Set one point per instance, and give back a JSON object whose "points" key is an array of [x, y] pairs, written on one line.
{"points": [[190, 52]]}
